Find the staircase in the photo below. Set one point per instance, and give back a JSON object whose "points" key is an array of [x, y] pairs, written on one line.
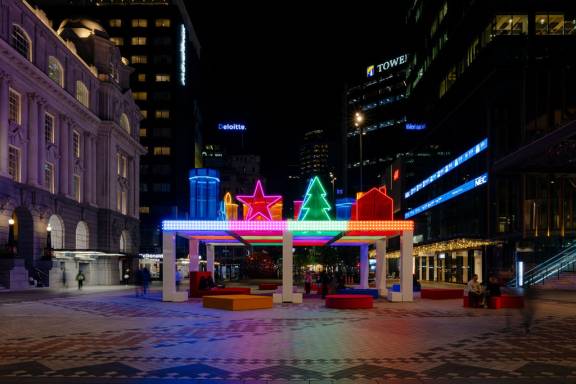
{"points": [[553, 268]]}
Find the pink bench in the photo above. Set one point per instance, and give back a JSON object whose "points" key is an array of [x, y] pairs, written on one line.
{"points": [[441, 293]]}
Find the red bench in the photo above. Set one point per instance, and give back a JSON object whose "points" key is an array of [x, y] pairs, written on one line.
{"points": [[268, 286], [498, 302], [349, 301], [441, 293]]}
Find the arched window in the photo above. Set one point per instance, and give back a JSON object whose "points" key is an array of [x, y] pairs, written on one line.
{"points": [[125, 123], [21, 42], [125, 242], [82, 235], [57, 232], [55, 71], [82, 94]]}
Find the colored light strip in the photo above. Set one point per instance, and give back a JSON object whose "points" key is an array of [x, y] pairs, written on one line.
{"points": [[182, 55], [480, 180], [204, 177], [292, 226], [481, 146]]}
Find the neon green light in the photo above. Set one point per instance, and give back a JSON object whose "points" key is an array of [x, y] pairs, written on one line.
{"points": [[315, 206]]}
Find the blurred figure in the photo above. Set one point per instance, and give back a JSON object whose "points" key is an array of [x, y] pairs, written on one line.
{"points": [[324, 280], [146, 277], [528, 312], [416, 286], [493, 286], [308, 282], [178, 278], [64, 281], [138, 281]]}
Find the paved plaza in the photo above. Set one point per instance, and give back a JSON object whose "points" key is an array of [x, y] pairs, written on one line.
{"points": [[115, 337]]}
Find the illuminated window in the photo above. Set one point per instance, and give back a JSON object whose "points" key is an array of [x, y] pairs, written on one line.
{"points": [[125, 123], [76, 144], [161, 151], [48, 128], [138, 40], [511, 25], [49, 177], [162, 114], [21, 42], [121, 201], [140, 95], [143, 132], [118, 41], [55, 71], [141, 77], [145, 210], [144, 113], [122, 165], [14, 163], [162, 78], [143, 23], [162, 23], [82, 94], [115, 22], [15, 107], [76, 187], [139, 59], [549, 24]]}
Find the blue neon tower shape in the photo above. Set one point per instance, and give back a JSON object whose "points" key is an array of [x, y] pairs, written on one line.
{"points": [[204, 194]]}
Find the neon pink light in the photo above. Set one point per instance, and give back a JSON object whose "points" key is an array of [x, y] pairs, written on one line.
{"points": [[259, 204]]}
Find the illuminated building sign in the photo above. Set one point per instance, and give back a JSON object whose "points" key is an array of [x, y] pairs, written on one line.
{"points": [[415, 126], [481, 146], [385, 66], [477, 182], [231, 127]]}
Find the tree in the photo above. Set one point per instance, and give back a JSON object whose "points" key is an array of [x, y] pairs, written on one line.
{"points": [[315, 205]]}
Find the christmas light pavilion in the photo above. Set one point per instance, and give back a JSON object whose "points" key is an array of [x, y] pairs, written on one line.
{"points": [[370, 222]]}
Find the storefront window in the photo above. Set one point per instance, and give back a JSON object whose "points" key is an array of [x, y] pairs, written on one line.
{"points": [[552, 24]]}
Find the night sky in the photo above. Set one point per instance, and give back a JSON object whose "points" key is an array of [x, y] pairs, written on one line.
{"points": [[282, 70]]}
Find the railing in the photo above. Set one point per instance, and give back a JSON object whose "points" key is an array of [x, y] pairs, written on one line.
{"points": [[554, 266]]}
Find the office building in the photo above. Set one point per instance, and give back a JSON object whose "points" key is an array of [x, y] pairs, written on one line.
{"points": [[492, 83], [375, 125], [69, 152], [314, 156], [158, 40]]}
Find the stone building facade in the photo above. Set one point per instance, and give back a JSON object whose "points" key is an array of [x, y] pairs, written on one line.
{"points": [[69, 152]]}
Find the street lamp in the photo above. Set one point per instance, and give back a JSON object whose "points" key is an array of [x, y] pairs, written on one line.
{"points": [[11, 244], [358, 119], [49, 241], [332, 180]]}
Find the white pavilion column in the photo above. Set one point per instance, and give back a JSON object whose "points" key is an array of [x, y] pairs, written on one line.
{"points": [[168, 267], [210, 259], [435, 267], [381, 267], [465, 266], [443, 268], [3, 125], [406, 265], [364, 266], [427, 258], [32, 139], [193, 255], [287, 266]]}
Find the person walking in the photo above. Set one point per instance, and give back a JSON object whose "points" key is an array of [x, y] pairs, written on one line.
{"points": [[80, 279], [146, 277], [178, 279], [308, 282]]}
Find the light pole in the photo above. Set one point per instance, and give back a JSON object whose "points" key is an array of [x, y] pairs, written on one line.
{"points": [[358, 119], [332, 180], [11, 243]]}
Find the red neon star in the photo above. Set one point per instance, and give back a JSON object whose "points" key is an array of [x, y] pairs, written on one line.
{"points": [[258, 204]]}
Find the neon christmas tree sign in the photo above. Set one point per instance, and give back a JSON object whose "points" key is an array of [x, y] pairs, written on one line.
{"points": [[259, 204], [315, 206]]}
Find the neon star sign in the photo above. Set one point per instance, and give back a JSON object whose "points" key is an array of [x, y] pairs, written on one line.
{"points": [[259, 204]]}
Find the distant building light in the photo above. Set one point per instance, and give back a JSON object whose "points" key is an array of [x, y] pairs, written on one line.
{"points": [[182, 55], [415, 126], [231, 127], [396, 175]]}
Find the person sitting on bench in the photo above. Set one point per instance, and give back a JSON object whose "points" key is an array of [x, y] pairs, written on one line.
{"points": [[474, 292]]}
